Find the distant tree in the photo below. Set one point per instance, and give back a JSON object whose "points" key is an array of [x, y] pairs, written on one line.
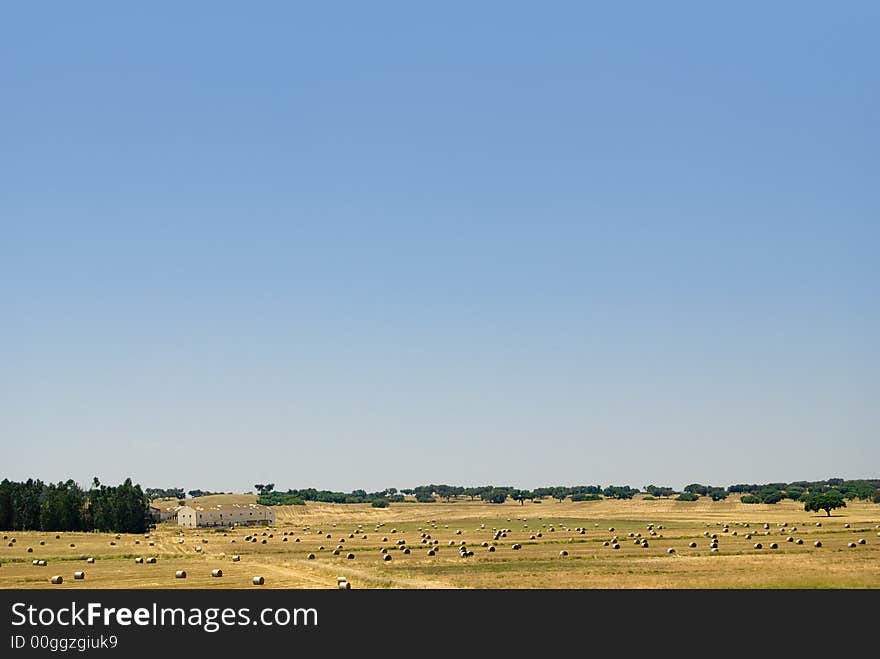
{"points": [[618, 492], [696, 488], [857, 490], [750, 498], [559, 493], [494, 495], [521, 496], [876, 498], [717, 493], [655, 491], [687, 496], [826, 501]]}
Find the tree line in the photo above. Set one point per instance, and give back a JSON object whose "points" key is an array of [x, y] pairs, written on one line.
{"points": [[868, 489], [33, 505]]}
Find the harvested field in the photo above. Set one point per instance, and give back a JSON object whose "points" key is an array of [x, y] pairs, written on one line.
{"points": [[540, 563]]}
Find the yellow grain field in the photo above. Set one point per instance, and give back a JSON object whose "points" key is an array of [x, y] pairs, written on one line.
{"points": [[562, 545]]}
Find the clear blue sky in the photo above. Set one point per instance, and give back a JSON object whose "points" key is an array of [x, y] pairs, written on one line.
{"points": [[381, 244]]}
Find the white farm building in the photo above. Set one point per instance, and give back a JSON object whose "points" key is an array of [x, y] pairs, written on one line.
{"points": [[226, 515]]}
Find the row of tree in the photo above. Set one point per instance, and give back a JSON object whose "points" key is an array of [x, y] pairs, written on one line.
{"points": [[766, 493], [177, 493], [32, 505]]}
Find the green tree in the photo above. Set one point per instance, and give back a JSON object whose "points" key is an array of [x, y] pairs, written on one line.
{"points": [[826, 501]]}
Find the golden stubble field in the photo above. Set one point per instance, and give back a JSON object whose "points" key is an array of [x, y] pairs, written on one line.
{"points": [[281, 554]]}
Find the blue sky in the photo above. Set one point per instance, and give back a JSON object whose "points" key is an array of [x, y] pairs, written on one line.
{"points": [[372, 245]]}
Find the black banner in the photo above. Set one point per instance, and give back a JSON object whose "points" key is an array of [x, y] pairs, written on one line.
{"points": [[134, 623]]}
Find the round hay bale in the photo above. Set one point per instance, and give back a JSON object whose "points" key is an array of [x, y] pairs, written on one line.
{"points": [[714, 550], [283, 539], [670, 551], [406, 550], [773, 545], [862, 541], [112, 544], [79, 575], [296, 539], [56, 579], [386, 557], [151, 560], [263, 541], [789, 539], [615, 546], [151, 543], [321, 548], [343, 585], [818, 543], [484, 544], [818, 523], [349, 556], [798, 542], [336, 552], [35, 562], [42, 542], [491, 548], [180, 574], [198, 548], [846, 526], [216, 572], [748, 536], [605, 544], [90, 560], [431, 552], [310, 557], [515, 546], [611, 529], [644, 544], [766, 526], [30, 550], [758, 545], [258, 581], [692, 545], [139, 560], [531, 537], [563, 553], [236, 558]]}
